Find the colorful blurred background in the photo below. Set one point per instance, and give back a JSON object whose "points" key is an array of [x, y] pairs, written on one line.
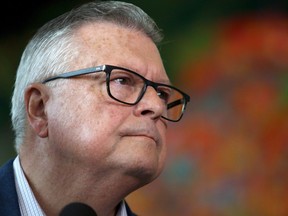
{"points": [[229, 154]]}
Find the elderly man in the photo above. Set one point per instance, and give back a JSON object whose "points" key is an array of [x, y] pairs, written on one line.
{"points": [[90, 110]]}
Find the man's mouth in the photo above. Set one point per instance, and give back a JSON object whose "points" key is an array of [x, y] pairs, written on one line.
{"points": [[144, 133]]}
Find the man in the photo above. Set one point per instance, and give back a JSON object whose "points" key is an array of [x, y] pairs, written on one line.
{"points": [[90, 110]]}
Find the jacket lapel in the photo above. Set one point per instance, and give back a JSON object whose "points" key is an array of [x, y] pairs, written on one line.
{"points": [[129, 212]]}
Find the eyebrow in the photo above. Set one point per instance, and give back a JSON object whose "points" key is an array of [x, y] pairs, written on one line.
{"points": [[137, 69], [167, 82]]}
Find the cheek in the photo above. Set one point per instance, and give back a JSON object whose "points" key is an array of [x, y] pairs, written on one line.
{"points": [[83, 128], [163, 152]]}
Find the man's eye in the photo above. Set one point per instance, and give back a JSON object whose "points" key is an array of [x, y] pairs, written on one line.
{"points": [[163, 95], [122, 81]]}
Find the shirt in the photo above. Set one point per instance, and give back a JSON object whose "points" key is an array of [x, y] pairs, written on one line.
{"points": [[27, 201]]}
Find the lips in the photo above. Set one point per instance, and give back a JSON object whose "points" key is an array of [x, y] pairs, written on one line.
{"points": [[150, 132], [143, 135]]}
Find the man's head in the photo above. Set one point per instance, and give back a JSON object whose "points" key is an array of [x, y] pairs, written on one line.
{"points": [[54, 49], [84, 122]]}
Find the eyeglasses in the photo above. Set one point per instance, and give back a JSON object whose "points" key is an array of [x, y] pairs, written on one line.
{"points": [[128, 87]]}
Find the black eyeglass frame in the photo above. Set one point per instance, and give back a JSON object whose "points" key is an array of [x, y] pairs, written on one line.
{"points": [[108, 68]]}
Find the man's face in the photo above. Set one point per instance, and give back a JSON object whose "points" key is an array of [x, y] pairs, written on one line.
{"points": [[90, 129]]}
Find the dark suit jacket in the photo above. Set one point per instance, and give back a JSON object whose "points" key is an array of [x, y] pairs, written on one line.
{"points": [[9, 205]]}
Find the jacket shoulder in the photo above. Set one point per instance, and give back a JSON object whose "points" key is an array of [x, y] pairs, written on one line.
{"points": [[8, 195]]}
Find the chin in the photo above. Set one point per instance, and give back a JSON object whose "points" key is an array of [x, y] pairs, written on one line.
{"points": [[143, 174], [141, 161]]}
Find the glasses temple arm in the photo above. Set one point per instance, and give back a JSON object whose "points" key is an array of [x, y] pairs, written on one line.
{"points": [[175, 103]]}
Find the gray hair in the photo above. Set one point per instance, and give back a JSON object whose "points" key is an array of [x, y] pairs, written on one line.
{"points": [[52, 49]]}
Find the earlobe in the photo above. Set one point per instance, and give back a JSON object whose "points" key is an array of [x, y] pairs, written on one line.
{"points": [[36, 97]]}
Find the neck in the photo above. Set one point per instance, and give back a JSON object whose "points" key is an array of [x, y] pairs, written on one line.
{"points": [[55, 186]]}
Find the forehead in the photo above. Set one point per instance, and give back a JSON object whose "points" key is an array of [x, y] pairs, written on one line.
{"points": [[107, 43]]}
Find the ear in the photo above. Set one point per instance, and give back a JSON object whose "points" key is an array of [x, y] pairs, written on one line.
{"points": [[36, 97]]}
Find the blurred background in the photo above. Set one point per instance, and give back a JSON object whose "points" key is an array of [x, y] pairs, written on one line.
{"points": [[229, 154]]}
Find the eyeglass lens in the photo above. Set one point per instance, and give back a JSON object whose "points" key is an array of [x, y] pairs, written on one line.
{"points": [[128, 87]]}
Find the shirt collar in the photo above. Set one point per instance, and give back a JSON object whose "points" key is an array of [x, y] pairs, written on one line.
{"points": [[27, 201]]}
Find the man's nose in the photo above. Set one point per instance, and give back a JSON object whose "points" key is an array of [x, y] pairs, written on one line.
{"points": [[151, 105]]}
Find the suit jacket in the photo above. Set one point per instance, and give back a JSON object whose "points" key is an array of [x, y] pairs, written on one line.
{"points": [[9, 205]]}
